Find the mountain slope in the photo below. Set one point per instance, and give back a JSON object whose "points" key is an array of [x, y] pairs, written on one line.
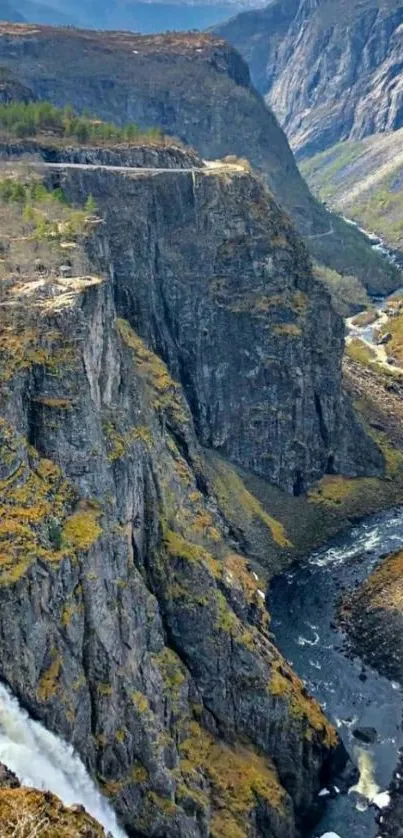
{"points": [[195, 87], [363, 180], [131, 621], [331, 70]]}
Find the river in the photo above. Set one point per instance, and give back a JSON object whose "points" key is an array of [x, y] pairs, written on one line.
{"points": [[303, 604]]}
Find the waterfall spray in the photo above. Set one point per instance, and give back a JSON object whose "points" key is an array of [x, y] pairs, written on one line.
{"points": [[43, 761]]}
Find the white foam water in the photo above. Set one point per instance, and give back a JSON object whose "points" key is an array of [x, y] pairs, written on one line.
{"points": [[44, 761], [367, 788]]}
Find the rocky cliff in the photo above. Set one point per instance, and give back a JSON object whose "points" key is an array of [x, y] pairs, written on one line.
{"points": [[142, 635], [331, 71], [194, 87], [203, 288]]}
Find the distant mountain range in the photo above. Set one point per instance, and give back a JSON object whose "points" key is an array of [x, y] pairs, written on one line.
{"points": [[146, 17], [330, 69]]}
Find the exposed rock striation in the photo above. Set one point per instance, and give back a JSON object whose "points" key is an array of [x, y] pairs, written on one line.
{"points": [[331, 71], [232, 307], [11, 89], [142, 635], [200, 92], [123, 155]]}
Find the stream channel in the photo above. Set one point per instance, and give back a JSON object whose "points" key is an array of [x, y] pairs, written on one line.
{"points": [[303, 605]]}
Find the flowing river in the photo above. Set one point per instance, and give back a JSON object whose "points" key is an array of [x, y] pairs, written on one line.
{"points": [[303, 604]]}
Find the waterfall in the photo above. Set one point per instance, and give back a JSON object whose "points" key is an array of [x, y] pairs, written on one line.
{"points": [[43, 761]]}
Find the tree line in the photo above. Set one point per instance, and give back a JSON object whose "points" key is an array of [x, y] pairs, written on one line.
{"points": [[24, 120]]}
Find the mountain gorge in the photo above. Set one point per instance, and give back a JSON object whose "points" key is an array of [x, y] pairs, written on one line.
{"points": [[330, 70], [177, 426], [143, 636], [197, 88]]}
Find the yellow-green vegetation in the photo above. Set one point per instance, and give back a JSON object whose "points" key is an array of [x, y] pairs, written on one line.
{"points": [[366, 318], [191, 517], [119, 441], [384, 588], [20, 119], [381, 210], [362, 179], [40, 232], [324, 170], [395, 345], [72, 607], [82, 529], [140, 701], [286, 685], [256, 303], [166, 393], [25, 813], [232, 493], [239, 778], [22, 346], [225, 620], [238, 569], [105, 690], [336, 490], [45, 214], [359, 351], [393, 455], [347, 291], [172, 670], [49, 681], [178, 546], [163, 804], [36, 521], [290, 330], [113, 788], [54, 403]]}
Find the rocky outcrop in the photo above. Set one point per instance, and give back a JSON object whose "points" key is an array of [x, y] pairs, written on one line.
{"points": [[26, 811], [271, 403], [142, 635], [158, 156], [201, 92], [331, 71], [11, 89]]}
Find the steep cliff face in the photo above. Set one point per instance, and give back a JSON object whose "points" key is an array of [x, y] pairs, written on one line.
{"points": [[195, 87], [331, 71], [228, 299], [142, 635]]}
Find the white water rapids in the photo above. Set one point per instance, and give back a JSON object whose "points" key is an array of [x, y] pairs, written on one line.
{"points": [[43, 761]]}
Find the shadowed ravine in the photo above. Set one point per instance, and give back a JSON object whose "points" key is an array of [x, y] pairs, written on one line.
{"points": [[303, 604]]}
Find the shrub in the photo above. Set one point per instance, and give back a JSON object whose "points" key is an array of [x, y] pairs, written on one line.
{"points": [[20, 119]]}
